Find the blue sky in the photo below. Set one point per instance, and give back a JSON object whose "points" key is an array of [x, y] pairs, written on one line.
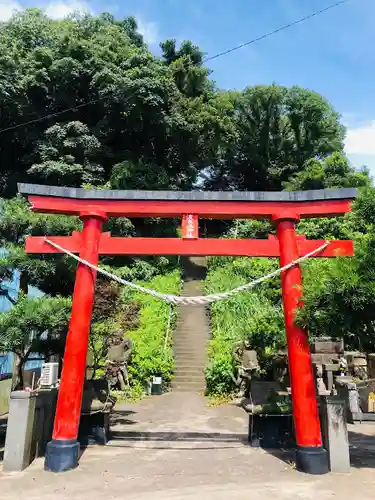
{"points": [[332, 54]]}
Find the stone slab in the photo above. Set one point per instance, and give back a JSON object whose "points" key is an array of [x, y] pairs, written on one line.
{"points": [[18, 440], [335, 433]]}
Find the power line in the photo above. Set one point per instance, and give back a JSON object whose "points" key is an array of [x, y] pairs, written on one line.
{"points": [[277, 30], [52, 115], [210, 58]]}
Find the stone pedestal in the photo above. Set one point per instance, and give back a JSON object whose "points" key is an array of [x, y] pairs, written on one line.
{"points": [[19, 434], [347, 390], [29, 428], [335, 433]]}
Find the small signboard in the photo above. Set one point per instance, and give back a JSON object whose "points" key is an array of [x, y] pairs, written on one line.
{"points": [[190, 227]]}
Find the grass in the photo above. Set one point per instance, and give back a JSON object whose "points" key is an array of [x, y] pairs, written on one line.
{"points": [[152, 351], [215, 400], [253, 315]]}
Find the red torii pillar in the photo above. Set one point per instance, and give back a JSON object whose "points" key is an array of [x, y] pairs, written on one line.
{"points": [[94, 207], [310, 454]]}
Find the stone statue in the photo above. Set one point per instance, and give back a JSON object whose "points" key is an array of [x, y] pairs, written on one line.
{"points": [[280, 371], [247, 361], [116, 365], [320, 385], [343, 363]]}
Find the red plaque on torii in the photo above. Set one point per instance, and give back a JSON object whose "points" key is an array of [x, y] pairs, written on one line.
{"points": [[284, 209]]}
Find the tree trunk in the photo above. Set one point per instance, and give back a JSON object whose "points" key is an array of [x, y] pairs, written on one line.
{"points": [[24, 284], [17, 383]]}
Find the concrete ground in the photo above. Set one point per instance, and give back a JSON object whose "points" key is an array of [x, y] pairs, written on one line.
{"points": [[174, 447]]}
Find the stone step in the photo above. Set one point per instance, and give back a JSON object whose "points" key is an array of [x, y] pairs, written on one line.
{"points": [[189, 369], [195, 325], [190, 365], [190, 349], [192, 332], [203, 338], [199, 343], [195, 328], [189, 375], [189, 388], [189, 359], [194, 386], [199, 374], [189, 380], [187, 333], [180, 374], [193, 364], [192, 344], [183, 358]]}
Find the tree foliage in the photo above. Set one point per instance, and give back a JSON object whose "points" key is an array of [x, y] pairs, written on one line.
{"points": [[34, 326], [333, 171], [278, 130], [340, 293]]}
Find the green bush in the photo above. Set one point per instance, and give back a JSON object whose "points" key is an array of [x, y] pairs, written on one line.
{"points": [[254, 315], [219, 375], [145, 320], [150, 355]]}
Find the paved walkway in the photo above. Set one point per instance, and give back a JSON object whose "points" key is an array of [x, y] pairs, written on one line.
{"points": [[174, 447]]}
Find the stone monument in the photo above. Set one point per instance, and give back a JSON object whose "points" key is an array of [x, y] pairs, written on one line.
{"points": [[116, 365]]}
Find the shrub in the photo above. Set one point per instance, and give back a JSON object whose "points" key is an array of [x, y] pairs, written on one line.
{"points": [[145, 320], [150, 354], [254, 315]]}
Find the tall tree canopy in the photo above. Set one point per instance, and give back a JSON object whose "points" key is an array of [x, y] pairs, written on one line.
{"points": [[143, 110], [278, 131]]}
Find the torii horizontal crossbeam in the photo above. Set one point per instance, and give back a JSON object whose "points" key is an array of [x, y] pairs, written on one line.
{"points": [[212, 205], [175, 246]]}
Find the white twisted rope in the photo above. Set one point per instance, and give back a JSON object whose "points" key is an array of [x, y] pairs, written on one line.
{"points": [[175, 299]]}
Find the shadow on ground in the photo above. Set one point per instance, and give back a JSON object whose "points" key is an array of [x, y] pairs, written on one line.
{"points": [[191, 270], [362, 448], [199, 440], [3, 428], [119, 417]]}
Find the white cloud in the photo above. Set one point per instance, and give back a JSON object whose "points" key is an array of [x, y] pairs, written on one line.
{"points": [[361, 139], [7, 9], [360, 145], [61, 9], [149, 31]]}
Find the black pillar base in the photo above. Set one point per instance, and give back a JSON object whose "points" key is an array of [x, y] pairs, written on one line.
{"points": [[312, 459], [61, 455]]}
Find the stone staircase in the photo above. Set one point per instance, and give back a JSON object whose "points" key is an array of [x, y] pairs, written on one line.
{"points": [[192, 332]]}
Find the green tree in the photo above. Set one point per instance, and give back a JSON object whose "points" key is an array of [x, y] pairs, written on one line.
{"points": [[139, 111], [34, 326], [67, 156], [278, 130], [186, 64], [52, 274], [340, 293], [334, 171]]}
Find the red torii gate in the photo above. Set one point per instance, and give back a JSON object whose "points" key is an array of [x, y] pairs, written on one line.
{"points": [[284, 208]]}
